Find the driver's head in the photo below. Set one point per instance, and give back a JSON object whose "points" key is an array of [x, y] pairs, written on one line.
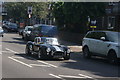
{"points": [[39, 40]]}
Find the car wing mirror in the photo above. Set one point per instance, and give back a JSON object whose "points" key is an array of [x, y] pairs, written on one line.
{"points": [[102, 38]]}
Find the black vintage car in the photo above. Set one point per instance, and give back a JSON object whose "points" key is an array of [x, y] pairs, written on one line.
{"points": [[47, 47]]}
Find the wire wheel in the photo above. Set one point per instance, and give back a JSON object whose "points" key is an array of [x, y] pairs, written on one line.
{"points": [[27, 51], [39, 55]]}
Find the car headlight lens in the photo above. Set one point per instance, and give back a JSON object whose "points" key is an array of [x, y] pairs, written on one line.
{"points": [[48, 49], [28, 32], [68, 51]]}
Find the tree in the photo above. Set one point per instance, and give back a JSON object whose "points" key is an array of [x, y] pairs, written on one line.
{"points": [[75, 14], [18, 10]]}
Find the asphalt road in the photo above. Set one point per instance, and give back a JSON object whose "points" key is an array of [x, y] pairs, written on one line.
{"points": [[15, 64]]}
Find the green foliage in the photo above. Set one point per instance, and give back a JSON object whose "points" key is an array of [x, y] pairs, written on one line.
{"points": [[75, 14], [19, 9], [70, 16]]}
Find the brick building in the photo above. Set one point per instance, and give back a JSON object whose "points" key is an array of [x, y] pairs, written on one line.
{"points": [[112, 19]]}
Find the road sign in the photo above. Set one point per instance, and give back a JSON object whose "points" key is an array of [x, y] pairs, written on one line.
{"points": [[93, 26], [93, 22], [29, 10]]}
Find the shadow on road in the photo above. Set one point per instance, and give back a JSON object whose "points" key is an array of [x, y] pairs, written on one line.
{"points": [[34, 57], [20, 39], [96, 65], [16, 42]]}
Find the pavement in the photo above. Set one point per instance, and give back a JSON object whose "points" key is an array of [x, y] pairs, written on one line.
{"points": [[74, 47]]}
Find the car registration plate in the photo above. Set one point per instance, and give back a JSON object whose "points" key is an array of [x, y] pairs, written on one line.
{"points": [[57, 56]]}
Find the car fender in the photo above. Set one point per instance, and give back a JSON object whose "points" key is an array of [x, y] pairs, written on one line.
{"points": [[114, 48], [85, 42], [29, 43]]}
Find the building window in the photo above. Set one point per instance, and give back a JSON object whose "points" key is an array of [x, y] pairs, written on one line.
{"points": [[111, 22]]}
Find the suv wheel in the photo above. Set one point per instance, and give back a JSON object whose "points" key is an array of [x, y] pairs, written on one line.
{"points": [[86, 53], [112, 57]]}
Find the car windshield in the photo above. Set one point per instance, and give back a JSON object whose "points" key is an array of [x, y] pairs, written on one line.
{"points": [[114, 36], [49, 30], [46, 28], [13, 25], [29, 29], [52, 41]]}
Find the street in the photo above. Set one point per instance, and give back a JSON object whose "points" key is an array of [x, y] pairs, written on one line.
{"points": [[15, 64]]}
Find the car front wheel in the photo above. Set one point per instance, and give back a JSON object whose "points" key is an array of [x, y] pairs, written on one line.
{"points": [[27, 51], [39, 55], [86, 53]]}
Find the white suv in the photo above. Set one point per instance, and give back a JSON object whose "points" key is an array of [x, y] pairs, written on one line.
{"points": [[102, 43]]}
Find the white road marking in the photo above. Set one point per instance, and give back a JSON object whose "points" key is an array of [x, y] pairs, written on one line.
{"points": [[85, 76], [18, 57], [56, 76], [68, 76], [20, 62], [11, 50], [5, 51], [47, 63], [39, 65]]}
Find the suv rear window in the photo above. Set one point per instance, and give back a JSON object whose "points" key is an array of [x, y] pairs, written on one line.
{"points": [[89, 35]]}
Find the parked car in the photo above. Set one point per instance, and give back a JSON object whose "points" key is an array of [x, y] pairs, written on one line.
{"points": [[5, 23], [40, 30], [1, 32], [47, 47], [11, 27], [102, 43], [27, 32]]}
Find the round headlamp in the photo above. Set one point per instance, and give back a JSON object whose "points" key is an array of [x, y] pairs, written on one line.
{"points": [[48, 49], [68, 51]]}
